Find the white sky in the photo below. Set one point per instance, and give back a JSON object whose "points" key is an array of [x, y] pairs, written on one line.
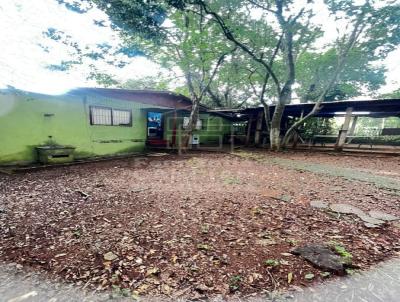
{"points": [[23, 62]]}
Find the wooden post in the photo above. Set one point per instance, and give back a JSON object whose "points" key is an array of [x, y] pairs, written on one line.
{"points": [[174, 129], [249, 124], [232, 137], [341, 140], [258, 128], [296, 133], [179, 141], [353, 126], [295, 139]]}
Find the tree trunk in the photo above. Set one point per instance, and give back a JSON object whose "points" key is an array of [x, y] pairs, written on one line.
{"points": [[275, 132], [194, 113]]}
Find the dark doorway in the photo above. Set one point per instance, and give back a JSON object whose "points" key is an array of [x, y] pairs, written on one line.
{"points": [[154, 125], [155, 130]]}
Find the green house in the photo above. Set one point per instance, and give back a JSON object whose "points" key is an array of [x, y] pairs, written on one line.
{"points": [[98, 122]]}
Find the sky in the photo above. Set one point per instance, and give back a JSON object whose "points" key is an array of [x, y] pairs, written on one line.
{"points": [[23, 62]]}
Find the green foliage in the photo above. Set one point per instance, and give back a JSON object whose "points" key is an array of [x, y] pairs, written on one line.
{"points": [[77, 233], [147, 83], [367, 126], [357, 77], [234, 283], [139, 17], [339, 249], [391, 95], [318, 126], [183, 38], [272, 262], [103, 79]]}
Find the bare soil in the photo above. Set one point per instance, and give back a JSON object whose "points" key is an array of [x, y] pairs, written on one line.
{"points": [[193, 226]]}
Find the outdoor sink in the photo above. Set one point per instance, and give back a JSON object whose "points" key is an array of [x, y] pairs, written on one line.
{"points": [[55, 154]]}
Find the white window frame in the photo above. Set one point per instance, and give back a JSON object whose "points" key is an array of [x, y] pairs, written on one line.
{"points": [[112, 120], [100, 119]]}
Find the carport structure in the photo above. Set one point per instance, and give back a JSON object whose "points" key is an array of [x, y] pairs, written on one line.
{"points": [[257, 132]]}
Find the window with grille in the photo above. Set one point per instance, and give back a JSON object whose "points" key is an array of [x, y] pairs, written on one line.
{"points": [[101, 116], [110, 117], [121, 117]]}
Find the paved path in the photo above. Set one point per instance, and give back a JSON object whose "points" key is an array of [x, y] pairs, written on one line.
{"points": [[379, 181], [381, 284]]}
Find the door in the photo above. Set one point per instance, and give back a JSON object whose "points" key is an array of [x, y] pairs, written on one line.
{"points": [[154, 125]]}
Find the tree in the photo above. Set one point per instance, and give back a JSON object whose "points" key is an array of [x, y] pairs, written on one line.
{"points": [[359, 76], [192, 44], [369, 26], [147, 83], [232, 86], [292, 32], [373, 29]]}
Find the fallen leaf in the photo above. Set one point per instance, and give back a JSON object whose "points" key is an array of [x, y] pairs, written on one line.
{"points": [[289, 277], [110, 256]]}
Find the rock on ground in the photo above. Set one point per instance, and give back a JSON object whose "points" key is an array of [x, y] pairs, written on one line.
{"points": [[322, 257]]}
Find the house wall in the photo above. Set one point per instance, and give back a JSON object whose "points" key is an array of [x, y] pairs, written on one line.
{"points": [[28, 120]]}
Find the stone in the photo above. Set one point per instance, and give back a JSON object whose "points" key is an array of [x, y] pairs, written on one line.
{"points": [[370, 220], [110, 256], [322, 257], [383, 216], [201, 288], [319, 204], [343, 208], [285, 198], [266, 242], [371, 226]]}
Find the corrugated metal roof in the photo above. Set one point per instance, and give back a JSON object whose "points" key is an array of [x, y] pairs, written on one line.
{"points": [[374, 108]]}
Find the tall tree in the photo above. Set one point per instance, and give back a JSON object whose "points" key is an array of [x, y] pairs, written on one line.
{"points": [[289, 24], [372, 26], [368, 24]]}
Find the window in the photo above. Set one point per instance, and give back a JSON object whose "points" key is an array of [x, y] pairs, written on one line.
{"points": [[121, 117], [199, 125], [110, 117], [100, 116]]}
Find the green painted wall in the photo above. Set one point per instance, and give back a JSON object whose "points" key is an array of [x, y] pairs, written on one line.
{"points": [[28, 120], [215, 128]]}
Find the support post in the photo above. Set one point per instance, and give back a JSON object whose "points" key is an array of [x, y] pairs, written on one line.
{"points": [[295, 139], [179, 141], [341, 140], [173, 129], [258, 128], [353, 126], [249, 124], [232, 137]]}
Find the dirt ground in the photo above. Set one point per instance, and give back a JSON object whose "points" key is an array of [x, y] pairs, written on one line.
{"points": [[193, 226]]}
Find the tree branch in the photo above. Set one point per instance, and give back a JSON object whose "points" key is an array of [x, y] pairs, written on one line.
{"points": [[355, 34], [228, 34]]}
